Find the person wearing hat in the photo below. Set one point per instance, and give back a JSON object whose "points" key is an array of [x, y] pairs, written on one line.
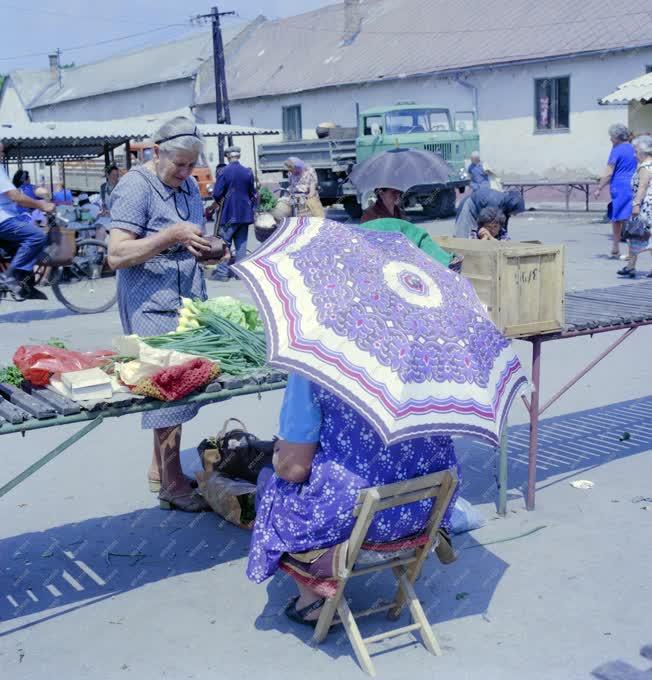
{"points": [[236, 188]]}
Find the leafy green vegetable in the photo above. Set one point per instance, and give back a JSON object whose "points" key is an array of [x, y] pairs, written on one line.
{"points": [[11, 375], [266, 200], [57, 342], [235, 348], [234, 310], [237, 312]]}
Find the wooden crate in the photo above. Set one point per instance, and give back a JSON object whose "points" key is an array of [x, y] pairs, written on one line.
{"points": [[521, 284]]}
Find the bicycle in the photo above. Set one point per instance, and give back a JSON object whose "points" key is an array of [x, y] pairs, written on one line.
{"points": [[86, 284]]}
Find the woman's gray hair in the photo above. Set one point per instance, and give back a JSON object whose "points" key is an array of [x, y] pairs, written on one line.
{"points": [[644, 144], [179, 134], [619, 131]]}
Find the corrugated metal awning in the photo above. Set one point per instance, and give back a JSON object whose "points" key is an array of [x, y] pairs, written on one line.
{"points": [[87, 139], [637, 90]]}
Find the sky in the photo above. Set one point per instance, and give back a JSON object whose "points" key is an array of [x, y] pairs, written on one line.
{"points": [[32, 29]]}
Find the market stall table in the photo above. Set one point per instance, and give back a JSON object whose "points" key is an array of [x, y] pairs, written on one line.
{"points": [[588, 312], [567, 186], [98, 412]]}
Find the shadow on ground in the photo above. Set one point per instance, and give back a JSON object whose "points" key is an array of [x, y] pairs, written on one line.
{"points": [[568, 444], [71, 566], [103, 556], [27, 315]]}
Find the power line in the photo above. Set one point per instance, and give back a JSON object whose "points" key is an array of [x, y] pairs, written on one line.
{"points": [[95, 44]]}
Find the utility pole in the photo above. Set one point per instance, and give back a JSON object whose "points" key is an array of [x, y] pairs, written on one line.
{"points": [[222, 111]]}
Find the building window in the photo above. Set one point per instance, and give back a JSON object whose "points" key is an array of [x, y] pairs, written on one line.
{"points": [[552, 103], [292, 127]]}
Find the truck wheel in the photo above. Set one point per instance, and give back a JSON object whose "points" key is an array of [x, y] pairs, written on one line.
{"points": [[440, 205], [352, 207]]}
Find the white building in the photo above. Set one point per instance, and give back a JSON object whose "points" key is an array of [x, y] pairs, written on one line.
{"points": [[533, 71]]}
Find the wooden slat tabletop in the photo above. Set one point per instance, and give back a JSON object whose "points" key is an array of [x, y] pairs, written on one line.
{"points": [[603, 307]]}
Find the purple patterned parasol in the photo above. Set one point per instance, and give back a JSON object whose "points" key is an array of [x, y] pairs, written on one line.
{"points": [[400, 338]]}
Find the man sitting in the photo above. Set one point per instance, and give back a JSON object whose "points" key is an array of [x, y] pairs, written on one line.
{"points": [[17, 229]]}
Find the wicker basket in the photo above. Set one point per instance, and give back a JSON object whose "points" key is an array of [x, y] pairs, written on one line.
{"points": [[264, 226]]}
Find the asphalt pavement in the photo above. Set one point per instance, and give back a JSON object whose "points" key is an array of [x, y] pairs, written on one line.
{"points": [[97, 582]]}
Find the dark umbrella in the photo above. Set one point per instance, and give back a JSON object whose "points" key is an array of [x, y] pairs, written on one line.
{"points": [[399, 169]]}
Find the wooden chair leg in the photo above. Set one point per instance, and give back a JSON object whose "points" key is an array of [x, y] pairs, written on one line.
{"points": [[325, 619], [418, 615], [399, 601], [358, 644], [394, 613]]}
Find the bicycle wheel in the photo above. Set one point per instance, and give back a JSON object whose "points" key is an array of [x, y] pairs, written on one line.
{"points": [[88, 285]]}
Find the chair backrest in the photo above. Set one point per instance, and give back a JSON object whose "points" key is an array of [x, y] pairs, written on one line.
{"points": [[438, 485]]}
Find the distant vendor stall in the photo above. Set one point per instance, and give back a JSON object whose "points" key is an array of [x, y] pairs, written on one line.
{"points": [[52, 143]]}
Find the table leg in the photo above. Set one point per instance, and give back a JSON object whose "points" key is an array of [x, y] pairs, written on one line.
{"points": [[502, 470], [568, 193], [534, 423], [587, 189], [50, 456]]}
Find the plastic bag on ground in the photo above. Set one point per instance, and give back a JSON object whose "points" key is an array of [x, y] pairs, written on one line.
{"points": [[465, 517], [39, 362]]}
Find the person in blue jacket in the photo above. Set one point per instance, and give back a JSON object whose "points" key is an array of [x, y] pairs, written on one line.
{"points": [[479, 176], [23, 183], [236, 188]]}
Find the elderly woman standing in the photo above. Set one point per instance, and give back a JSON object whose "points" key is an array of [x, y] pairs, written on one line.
{"points": [[642, 205], [621, 167], [157, 220], [304, 187]]}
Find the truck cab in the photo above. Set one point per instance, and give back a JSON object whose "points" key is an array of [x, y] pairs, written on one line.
{"points": [[416, 126], [408, 125]]}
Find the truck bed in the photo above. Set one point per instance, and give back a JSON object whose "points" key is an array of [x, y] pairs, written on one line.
{"points": [[321, 154]]}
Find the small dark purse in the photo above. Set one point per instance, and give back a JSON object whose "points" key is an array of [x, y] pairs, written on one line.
{"points": [[635, 228], [236, 453]]}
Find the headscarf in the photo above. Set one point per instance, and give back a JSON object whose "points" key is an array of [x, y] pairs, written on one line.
{"points": [[298, 164]]}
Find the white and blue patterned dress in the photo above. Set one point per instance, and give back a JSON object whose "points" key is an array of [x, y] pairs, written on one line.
{"points": [[350, 456], [149, 294]]}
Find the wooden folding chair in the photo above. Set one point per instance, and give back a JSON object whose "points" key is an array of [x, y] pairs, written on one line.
{"points": [[406, 565]]}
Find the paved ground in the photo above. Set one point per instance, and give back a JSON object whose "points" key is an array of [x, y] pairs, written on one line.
{"points": [[96, 582]]}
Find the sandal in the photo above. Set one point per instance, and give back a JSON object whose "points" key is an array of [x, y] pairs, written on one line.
{"points": [[189, 502], [299, 615], [627, 271]]}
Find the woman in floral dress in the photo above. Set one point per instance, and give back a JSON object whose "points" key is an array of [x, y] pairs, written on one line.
{"points": [[326, 455], [642, 204]]}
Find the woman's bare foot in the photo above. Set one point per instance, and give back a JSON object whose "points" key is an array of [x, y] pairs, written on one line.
{"points": [[306, 598]]}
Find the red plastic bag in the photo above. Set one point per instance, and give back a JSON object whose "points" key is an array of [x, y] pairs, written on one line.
{"points": [[39, 362]]}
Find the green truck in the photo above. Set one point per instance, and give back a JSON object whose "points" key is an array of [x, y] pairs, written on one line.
{"points": [[407, 125]]}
